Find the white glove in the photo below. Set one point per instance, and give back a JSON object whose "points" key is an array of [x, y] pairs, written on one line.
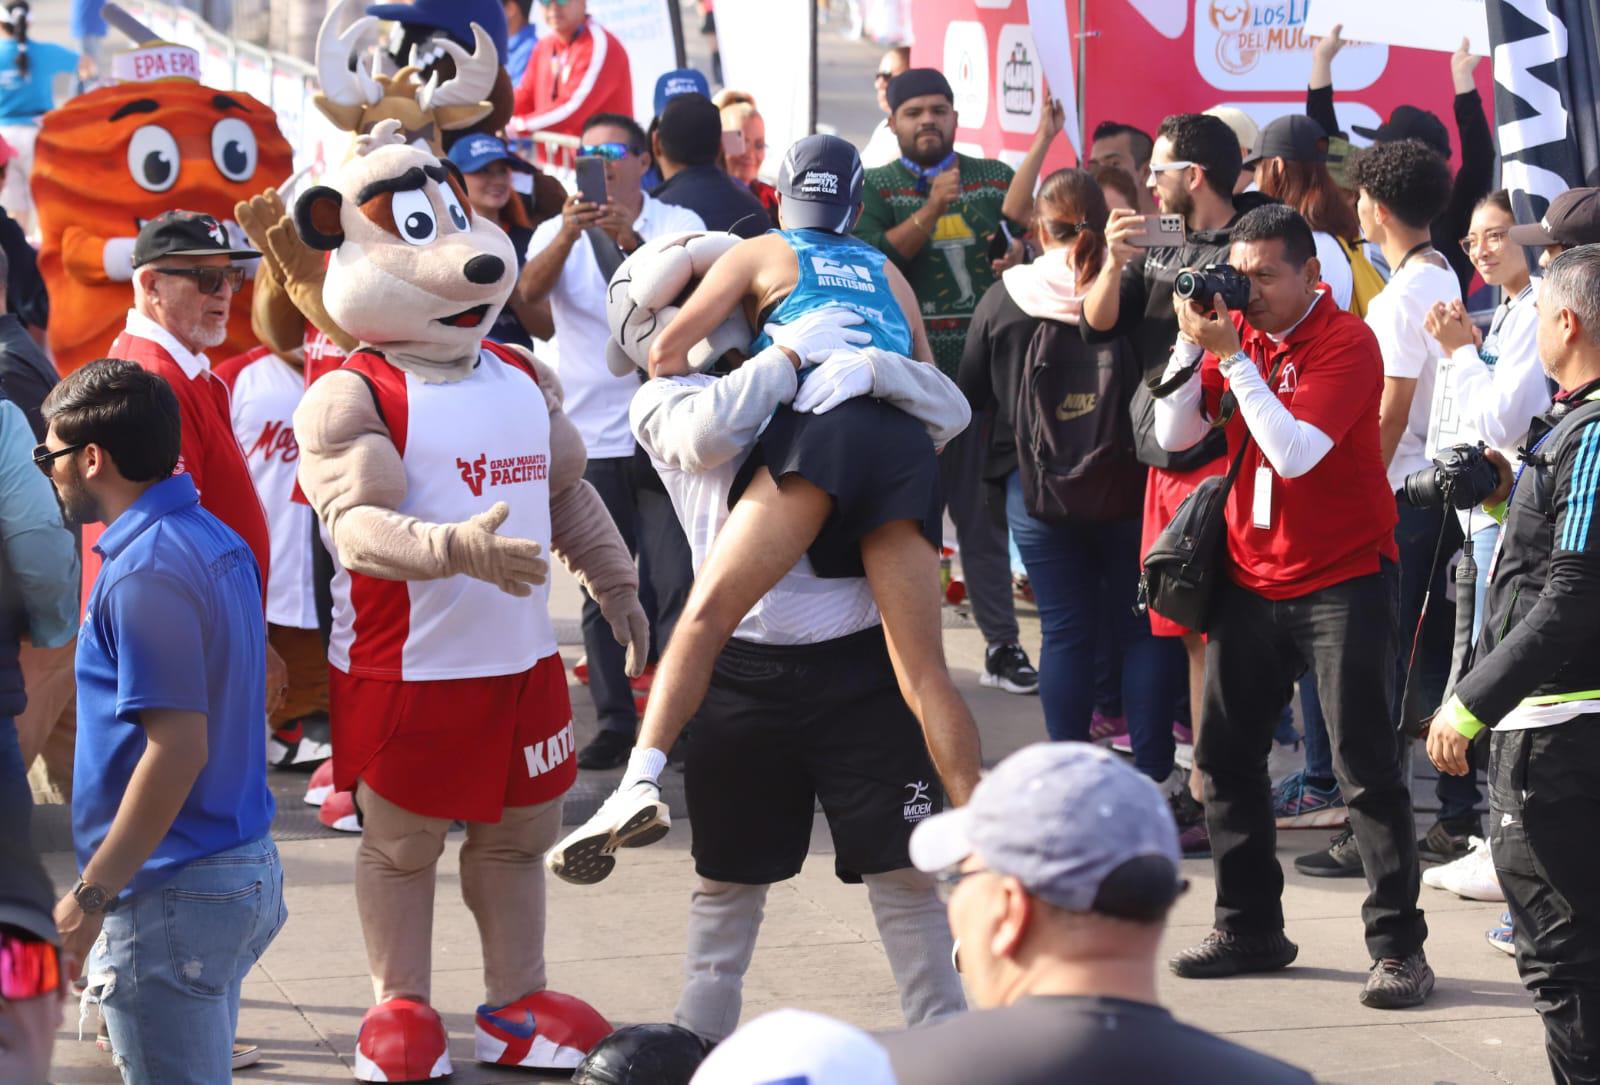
{"points": [[819, 332], [842, 375]]}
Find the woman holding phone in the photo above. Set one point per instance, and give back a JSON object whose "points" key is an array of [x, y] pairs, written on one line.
{"points": [[744, 143]]}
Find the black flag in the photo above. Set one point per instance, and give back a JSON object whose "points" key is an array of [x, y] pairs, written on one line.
{"points": [[1546, 98]]}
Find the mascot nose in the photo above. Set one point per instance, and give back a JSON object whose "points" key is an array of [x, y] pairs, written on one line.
{"points": [[485, 269]]}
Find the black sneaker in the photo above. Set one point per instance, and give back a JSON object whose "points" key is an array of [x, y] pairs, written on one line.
{"points": [[609, 750], [1447, 841], [1007, 667], [1397, 982], [1226, 954], [1340, 859]]}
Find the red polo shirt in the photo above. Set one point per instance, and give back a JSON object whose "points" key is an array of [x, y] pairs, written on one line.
{"points": [[1335, 521]]}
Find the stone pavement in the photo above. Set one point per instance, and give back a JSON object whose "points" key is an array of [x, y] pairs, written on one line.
{"points": [[619, 945]]}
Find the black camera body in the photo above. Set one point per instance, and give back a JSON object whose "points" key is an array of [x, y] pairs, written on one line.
{"points": [[1461, 477], [1213, 279]]}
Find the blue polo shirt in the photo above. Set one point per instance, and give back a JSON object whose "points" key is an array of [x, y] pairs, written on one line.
{"points": [[174, 622]]}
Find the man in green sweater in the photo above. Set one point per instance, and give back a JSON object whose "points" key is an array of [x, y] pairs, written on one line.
{"points": [[940, 217]]}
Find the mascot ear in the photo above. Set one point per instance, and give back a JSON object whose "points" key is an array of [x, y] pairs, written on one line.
{"points": [[316, 216]]}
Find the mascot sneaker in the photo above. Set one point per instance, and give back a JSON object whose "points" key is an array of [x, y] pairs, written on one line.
{"points": [[320, 786], [338, 813], [402, 1040], [546, 1030], [628, 819], [292, 746]]}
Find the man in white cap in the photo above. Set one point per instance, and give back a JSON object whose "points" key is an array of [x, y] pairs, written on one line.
{"points": [[1059, 875]]}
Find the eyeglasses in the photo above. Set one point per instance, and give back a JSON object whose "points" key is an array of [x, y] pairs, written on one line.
{"points": [[611, 152], [945, 882], [883, 77], [1168, 167], [29, 968], [45, 460], [1489, 239], [556, 3], [209, 280]]}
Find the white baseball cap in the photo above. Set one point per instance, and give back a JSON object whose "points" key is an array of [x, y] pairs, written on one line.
{"points": [[795, 1047]]}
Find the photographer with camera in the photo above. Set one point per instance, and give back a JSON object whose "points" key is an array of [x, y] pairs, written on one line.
{"points": [[1310, 583], [1533, 677]]}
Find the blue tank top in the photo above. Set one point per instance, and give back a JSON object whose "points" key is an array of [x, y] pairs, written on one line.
{"points": [[840, 270]]}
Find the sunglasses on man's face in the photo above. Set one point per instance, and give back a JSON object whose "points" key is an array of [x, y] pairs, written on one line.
{"points": [[209, 280], [883, 77], [29, 968], [45, 460], [611, 152], [554, 3]]}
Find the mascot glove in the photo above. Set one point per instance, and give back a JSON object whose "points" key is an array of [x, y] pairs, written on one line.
{"points": [[841, 376], [512, 565], [629, 624], [819, 332]]}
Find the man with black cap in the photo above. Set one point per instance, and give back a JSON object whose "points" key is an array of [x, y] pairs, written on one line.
{"points": [[940, 216], [185, 273], [1572, 219], [1059, 875], [687, 140]]}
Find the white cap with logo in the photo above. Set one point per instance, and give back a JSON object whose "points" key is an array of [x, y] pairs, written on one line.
{"points": [[795, 1047]]}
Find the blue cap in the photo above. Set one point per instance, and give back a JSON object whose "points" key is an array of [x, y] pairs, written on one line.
{"points": [[454, 17], [1063, 818], [821, 182], [476, 150], [679, 81]]}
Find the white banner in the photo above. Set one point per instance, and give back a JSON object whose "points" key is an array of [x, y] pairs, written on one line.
{"points": [[1420, 24], [645, 30], [766, 51], [1048, 20]]}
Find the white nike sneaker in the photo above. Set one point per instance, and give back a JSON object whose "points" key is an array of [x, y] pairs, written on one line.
{"points": [[628, 819], [1471, 876]]}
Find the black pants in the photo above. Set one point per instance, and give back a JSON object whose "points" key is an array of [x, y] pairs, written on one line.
{"points": [[643, 514], [1257, 647], [1544, 801]]}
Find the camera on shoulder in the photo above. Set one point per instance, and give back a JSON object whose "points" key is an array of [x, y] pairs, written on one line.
{"points": [[1461, 477], [1213, 279]]}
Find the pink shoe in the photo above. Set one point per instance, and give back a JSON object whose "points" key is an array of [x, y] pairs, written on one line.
{"points": [[339, 813], [546, 1030], [402, 1040], [1103, 728], [1182, 733], [320, 786]]}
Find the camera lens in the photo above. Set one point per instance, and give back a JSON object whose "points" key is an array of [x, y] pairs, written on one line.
{"points": [[1187, 284]]}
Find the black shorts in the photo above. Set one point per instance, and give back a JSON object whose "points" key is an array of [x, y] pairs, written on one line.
{"points": [[784, 727], [875, 461]]}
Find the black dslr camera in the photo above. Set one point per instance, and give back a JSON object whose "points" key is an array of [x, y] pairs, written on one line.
{"points": [[1213, 279], [1461, 477]]}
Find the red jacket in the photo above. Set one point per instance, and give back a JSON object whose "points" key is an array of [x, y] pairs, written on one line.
{"points": [[567, 83]]}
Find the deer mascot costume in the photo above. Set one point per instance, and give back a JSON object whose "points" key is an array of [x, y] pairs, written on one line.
{"points": [[442, 469]]}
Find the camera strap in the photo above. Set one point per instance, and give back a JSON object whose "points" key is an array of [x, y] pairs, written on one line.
{"points": [[1161, 389]]}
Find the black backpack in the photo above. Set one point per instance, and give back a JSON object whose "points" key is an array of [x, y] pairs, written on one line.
{"points": [[1075, 447]]}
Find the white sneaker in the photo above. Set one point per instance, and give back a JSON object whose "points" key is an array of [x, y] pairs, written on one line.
{"points": [[1472, 876], [628, 819]]}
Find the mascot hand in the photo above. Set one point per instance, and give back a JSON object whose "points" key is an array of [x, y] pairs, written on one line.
{"points": [[629, 625], [512, 565], [289, 260], [256, 216], [841, 376], [819, 332]]}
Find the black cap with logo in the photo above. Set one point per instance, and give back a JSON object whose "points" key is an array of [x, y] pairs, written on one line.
{"points": [[185, 233], [1573, 218], [821, 182], [1293, 137], [1409, 122]]}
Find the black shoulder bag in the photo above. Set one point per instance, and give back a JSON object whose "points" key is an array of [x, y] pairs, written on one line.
{"points": [[1185, 562]]}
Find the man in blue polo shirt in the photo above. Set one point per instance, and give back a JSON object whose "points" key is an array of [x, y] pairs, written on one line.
{"points": [[170, 810]]}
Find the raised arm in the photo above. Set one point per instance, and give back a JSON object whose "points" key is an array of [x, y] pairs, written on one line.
{"points": [[1319, 90], [722, 289]]}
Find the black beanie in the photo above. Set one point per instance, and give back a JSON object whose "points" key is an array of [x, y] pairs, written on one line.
{"points": [[916, 82]]}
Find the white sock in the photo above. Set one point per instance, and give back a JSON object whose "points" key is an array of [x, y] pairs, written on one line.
{"points": [[644, 766]]}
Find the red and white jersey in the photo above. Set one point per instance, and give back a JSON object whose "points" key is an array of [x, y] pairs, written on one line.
{"points": [[265, 391], [465, 446]]}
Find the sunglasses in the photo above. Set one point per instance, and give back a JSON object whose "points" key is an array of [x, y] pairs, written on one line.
{"points": [[29, 968], [209, 279], [1168, 167], [883, 77], [611, 152], [554, 3], [45, 460]]}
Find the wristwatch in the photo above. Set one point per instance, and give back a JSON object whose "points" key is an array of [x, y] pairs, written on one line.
{"points": [[92, 898]]}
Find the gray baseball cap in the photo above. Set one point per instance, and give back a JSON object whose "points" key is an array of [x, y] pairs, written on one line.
{"points": [[1074, 824], [821, 183]]}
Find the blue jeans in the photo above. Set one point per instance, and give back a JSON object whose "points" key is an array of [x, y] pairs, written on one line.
{"points": [[1085, 578], [16, 798], [1459, 795], [1319, 752], [172, 959]]}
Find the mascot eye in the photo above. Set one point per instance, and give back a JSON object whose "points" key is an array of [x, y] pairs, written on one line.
{"points": [[233, 149], [453, 208], [153, 158], [413, 214]]}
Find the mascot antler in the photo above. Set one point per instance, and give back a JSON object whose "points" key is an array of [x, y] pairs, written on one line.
{"points": [[346, 95], [474, 79]]}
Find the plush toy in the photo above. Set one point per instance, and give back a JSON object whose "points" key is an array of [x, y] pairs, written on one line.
{"points": [[644, 296], [443, 469], [425, 28], [108, 160]]}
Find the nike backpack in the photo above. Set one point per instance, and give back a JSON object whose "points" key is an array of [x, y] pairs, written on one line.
{"points": [[1075, 446]]}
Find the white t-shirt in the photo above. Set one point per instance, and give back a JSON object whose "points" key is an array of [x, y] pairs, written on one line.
{"points": [[596, 400], [1335, 267], [882, 148], [1409, 352]]}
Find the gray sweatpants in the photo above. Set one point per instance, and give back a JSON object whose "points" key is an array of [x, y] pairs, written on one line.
{"points": [[977, 508]]}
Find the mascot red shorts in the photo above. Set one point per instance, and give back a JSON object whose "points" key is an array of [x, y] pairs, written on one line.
{"points": [[459, 748]]}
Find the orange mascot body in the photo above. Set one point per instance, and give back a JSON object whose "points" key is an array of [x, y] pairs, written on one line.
{"points": [[110, 159]]}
